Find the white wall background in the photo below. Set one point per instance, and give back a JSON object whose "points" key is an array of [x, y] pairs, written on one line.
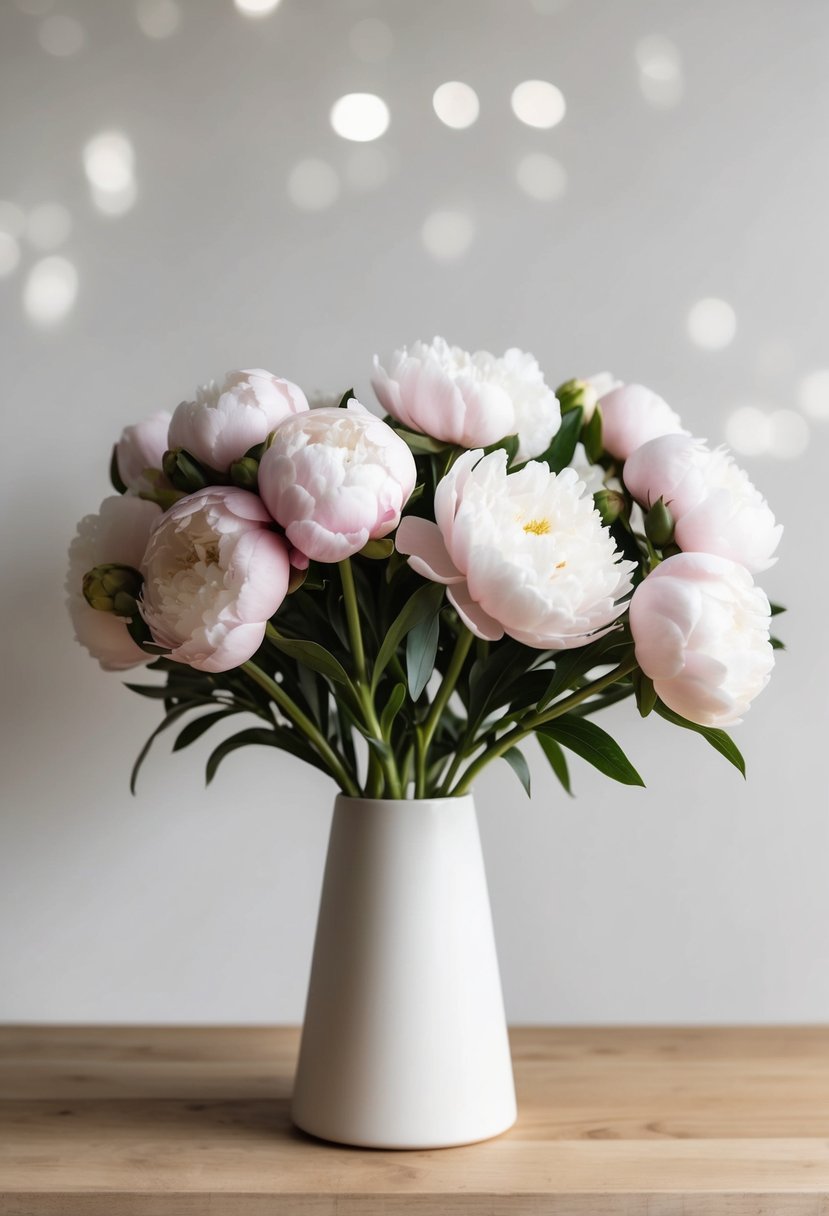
{"points": [[699, 899]]}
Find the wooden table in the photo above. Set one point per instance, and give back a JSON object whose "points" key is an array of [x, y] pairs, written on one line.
{"points": [[634, 1122]]}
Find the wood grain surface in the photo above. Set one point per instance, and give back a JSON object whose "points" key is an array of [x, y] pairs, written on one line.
{"points": [[105, 1121]]}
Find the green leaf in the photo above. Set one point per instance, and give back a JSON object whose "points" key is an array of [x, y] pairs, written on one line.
{"points": [[517, 762], [719, 740], [594, 745], [560, 452], [591, 436], [254, 734], [571, 665], [420, 443], [424, 604], [776, 644], [378, 550], [509, 444], [347, 396], [169, 718], [195, 729], [492, 676], [645, 693], [311, 654], [114, 474], [392, 708], [776, 609], [557, 759], [421, 651]]}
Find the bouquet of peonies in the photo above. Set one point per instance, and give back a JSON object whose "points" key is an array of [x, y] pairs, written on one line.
{"points": [[400, 601]]}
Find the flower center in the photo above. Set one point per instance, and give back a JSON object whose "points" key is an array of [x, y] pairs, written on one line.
{"points": [[538, 527]]}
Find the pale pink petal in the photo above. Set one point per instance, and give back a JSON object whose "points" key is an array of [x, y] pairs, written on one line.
{"points": [[428, 555]]}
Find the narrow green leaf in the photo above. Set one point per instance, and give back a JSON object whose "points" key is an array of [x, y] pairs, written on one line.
{"points": [[254, 734], [421, 651], [195, 729], [420, 443], [560, 452], [594, 745], [425, 603], [719, 740], [557, 760], [645, 693], [392, 708], [776, 644], [776, 609], [311, 654], [172, 716], [517, 762], [156, 692], [114, 473], [347, 396], [508, 444], [571, 665], [591, 436]]}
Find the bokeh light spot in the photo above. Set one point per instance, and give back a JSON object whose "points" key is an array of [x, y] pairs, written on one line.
{"points": [[50, 291], [712, 324], [788, 434], [447, 234], [813, 394], [9, 254], [456, 104], [360, 117], [158, 18], [538, 103], [747, 430], [256, 8], [313, 185], [541, 176], [660, 71], [108, 160], [61, 35]]}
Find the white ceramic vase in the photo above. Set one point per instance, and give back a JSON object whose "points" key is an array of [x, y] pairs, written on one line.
{"points": [[404, 1043]]}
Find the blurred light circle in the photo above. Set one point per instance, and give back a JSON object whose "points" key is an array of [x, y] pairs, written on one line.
{"points": [[256, 8], [313, 185], [61, 35], [541, 176], [9, 254], [50, 291], [158, 18], [788, 434], [712, 324], [813, 394], [660, 71], [360, 117], [747, 431], [115, 202], [367, 168], [12, 218], [371, 40], [456, 104], [108, 159], [48, 225], [447, 235], [538, 103]]}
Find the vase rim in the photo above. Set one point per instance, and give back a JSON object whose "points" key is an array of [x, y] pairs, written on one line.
{"points": [[456, 800]]}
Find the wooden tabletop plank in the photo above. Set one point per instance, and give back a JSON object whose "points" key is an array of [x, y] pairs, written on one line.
{"points": [[626, 1121]]}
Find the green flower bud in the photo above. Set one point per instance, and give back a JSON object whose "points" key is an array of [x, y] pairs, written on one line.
{"points": [[610, 504], [659, 524], [113, 588], [183, 471], [577, 392], [244, 473]]}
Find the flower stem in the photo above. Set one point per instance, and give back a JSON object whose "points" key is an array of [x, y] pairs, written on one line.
{"points": [[522, 729], [355, 633], [309, 729], [425, 733]]}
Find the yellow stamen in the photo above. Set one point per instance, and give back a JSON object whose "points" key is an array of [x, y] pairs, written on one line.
{"points": [[538, 527]]}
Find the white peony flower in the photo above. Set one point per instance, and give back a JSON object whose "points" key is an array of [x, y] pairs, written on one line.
{"points": [[633, 414], [522, 553], [140, 449], [335, 479], [701, 629], [214, 573], [714, 505], [117, 534], [472, 400], [224, 423]]}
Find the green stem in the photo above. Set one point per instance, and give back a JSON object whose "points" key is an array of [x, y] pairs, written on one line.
{"points": [[522, 729], [309, 729], [447, 687], [355, 633]]}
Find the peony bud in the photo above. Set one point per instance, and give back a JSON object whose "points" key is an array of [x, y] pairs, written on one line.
{"points": [[112, 587], [659, 524], [610, 504], [183, 471], [244, 473]]}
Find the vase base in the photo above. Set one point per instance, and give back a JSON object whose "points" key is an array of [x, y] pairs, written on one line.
{"points": [[405, 1144]]}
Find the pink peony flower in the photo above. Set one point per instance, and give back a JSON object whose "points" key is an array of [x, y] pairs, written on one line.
{"points": [[522, 553], [224, 423], [631, 415], [471, 400], [701, 629], [715, 507], [117, 534], [214, 572], [140, 448], [335, 479]]}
